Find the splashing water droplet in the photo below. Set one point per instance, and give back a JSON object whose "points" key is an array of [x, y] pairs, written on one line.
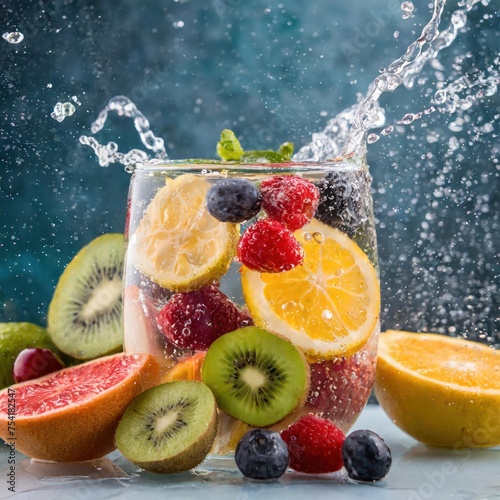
{"points": [[62, 110], [387, 130], [396, 34], [372, 138], [13, 37], [407, 8]]}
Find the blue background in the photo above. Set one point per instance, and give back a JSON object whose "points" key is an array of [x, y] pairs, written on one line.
{"points": [[272, 72]]}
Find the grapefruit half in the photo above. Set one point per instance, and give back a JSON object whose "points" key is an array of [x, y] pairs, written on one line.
{"points": [[71, 415]]}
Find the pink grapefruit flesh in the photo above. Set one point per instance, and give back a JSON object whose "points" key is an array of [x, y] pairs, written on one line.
{"points": [[71, 415]]}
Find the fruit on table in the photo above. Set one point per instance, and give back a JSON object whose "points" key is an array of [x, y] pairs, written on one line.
{"points": [[268, 246], [442, 391], [85, 314], [366, 456], [256, 376], [14, 337], [35, 362], [169, 428], [289, 199], [233, 200], [329, 305], [71, 415], [178, 244], [262, 454], [193, 320], [314, 445]]}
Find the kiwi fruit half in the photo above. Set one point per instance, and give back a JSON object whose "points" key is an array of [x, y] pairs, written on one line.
{"points": [[169, 428], [256, 377], [85, 314]]}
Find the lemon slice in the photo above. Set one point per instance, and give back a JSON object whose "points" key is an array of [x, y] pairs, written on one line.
{"points": [[442, 391], [178, 244], [329, 305]]}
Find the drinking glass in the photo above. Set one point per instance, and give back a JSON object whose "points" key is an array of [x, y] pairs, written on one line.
{"points": [[328, 305]]}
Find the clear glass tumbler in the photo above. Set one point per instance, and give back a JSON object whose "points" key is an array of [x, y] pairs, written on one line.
{"points": [[214, 247]]}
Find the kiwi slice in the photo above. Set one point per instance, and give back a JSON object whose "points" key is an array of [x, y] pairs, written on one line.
{"points": [[169, 428], [85, 314], [256, 376]]}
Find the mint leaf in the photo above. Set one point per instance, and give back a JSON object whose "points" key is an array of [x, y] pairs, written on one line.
{"points": [[286, 150], [266, 156], [229, 148]]}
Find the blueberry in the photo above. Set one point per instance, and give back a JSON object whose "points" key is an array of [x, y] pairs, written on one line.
{"points": [[233, 200], [342, 199], [366, 456], [262, 454]]}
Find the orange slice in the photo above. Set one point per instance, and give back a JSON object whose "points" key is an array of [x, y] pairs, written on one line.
{"points": [[329, 305], [178, 244], [442, 391], [186, 369]]}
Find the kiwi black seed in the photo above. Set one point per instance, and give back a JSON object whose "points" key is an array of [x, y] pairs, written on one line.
{"points": [[169, 428], [85, 314], [256, 376]]}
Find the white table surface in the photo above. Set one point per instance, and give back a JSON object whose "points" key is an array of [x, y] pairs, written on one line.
{"points": [[418, 472]]}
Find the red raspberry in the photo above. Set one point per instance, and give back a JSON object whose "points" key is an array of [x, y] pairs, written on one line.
{"points": [[339, 390], [193, 320], [269, 247], [314, 445], [290, 200]]}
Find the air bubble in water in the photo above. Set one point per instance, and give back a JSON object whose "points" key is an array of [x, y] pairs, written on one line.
{"points": [[13, 37], [327, 315], [62, 110]]}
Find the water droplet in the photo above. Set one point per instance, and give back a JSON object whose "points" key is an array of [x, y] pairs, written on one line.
{"points": [[387, 130], [62, 110], [318, 237], [307, 236], [289, 306], [408, 118], [440, 97], [339, 272], [407, 8], [13, 37]]}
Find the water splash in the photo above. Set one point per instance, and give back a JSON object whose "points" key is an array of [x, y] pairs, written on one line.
{"points": [[109, 153], [62, 110], [14, 37], [347, 133]]}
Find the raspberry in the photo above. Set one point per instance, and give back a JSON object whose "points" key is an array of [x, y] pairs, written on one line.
{"points": [[290, 200], [339, 390], [269, 247], [314, 445], [193, 320]]}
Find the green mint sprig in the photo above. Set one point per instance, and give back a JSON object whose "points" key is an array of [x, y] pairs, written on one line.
{"points": [[229, 149]]}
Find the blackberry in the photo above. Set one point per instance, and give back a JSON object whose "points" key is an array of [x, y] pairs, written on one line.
{"points": [[233, 200], [342, 199], [366, 456], [262, 454]]}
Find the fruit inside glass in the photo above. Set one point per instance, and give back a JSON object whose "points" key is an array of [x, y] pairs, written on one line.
{"points": [[259, 280]]}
